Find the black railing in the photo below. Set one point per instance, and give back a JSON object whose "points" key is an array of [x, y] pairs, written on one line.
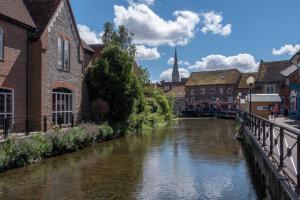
{"points": [[279, 143], [22, 126]]}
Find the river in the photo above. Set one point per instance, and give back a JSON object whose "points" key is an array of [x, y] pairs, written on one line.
{"points": [[190, 159]]}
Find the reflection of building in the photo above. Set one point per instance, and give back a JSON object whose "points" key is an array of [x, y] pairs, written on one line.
{"points": [[212, 89], [178, 93]]}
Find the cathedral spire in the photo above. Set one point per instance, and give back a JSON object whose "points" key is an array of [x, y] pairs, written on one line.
{"points": [[175, 73]]}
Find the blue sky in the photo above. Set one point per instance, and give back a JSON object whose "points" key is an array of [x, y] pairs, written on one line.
{"points": [[209, 34]]}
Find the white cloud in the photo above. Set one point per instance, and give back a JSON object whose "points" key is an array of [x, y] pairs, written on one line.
{"points": [[213, 23], [286, 49], [144, 53], [135, 2], [151, 29], [88, 35], [167, 74], [180, 62], [244, 62]]}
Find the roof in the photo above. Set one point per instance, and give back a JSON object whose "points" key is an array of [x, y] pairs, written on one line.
{"points": [[264, 98], [41, 12], [244, 77], [87, 47], [288, 71], [219, 77], [270, 71], [177, 91], [16, 10]]}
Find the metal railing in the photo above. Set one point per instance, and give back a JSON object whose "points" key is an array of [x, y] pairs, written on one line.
{"points": [[279, 143], [22, 126]]}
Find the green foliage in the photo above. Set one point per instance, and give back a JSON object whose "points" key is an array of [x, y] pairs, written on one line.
{"points": [[17, 152], [133, 104]]}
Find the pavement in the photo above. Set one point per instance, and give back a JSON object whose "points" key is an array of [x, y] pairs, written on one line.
{"points": [[287, 122]]}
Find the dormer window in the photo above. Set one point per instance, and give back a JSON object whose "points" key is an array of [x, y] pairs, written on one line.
{"points": [[63, 54], [1, 44]]}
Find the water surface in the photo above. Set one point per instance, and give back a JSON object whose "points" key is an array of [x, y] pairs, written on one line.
{"points": [[191, 159]]}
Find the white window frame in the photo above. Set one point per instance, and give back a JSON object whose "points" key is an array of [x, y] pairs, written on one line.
{"points": [[64, 54], [1, 44], [203, 91], [221, 90], [193, 91], [270, 89], [5, 113], [65, 108]]}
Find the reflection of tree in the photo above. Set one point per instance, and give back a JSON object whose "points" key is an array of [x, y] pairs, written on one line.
{"points": [[211, 139], [119, 169], [108, 170]]}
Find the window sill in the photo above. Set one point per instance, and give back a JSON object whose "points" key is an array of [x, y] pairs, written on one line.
{"points": [[63, 70]]}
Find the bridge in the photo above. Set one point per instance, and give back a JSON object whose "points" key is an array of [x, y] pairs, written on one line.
{"points": [[275, 151]]}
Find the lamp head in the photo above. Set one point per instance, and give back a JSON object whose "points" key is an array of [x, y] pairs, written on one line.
{"points": [[250, 81]]}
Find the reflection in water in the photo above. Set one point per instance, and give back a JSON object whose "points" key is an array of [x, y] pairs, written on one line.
{"points": [[193, 159]]}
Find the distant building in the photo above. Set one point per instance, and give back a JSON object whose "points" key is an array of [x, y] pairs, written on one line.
{"points": [[271, 81], [175, 73], [212, 89], [178, 93], [293, 81], [243, 88]]}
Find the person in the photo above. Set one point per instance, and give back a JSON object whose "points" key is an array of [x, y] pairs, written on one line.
{"points": [[275, 111]]}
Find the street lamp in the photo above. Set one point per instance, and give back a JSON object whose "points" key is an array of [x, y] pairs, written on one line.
{"points": [[250, 82]]}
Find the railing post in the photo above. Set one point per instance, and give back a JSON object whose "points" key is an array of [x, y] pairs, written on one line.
{"points": [[281, 136], [72, 120], [5, 128], [255, 126], [259, 129], [271, 139], [264, 133], [45, 124], [298, 163]]}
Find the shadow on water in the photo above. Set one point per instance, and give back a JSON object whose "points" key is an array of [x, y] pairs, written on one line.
{"points": [[191, 159]]}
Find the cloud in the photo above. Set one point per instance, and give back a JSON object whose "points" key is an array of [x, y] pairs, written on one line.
{"points": [[135, 2], [167, 74], [88, 35], [213, 23], [151, 29], [286, 49], [244, 62], [180, 62], [144, 53]]}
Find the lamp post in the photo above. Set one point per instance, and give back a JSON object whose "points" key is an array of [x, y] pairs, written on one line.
{"points": [[250, 82]]}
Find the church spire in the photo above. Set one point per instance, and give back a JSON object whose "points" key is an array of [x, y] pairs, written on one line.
{"points": [[175, 73]]}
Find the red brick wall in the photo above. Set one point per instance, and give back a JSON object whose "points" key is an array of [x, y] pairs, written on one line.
{"points": [[13, 67]]}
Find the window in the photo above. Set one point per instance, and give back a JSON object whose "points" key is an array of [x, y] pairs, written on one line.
{"points": [[6, 105], [270, 89], [60, 53], [63, 54], [193, 99], [1, 44], [193, 92], [62, 106], [213, 99], [202, 91], [221, 90], [229, 90], [212, 91]]}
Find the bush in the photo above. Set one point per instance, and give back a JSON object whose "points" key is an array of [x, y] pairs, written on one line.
{"points": [[17, 152]]}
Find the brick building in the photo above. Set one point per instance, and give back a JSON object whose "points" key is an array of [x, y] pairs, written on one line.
{"points": [[271, 81], [42, 61], [212, 89], [243, 88]]}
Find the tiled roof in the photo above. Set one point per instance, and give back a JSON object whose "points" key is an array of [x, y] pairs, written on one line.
{"points": [[244, 77], [219, 77], [270, 71], [16, 10], [41, 11], [87, 47], [288, 71]]}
